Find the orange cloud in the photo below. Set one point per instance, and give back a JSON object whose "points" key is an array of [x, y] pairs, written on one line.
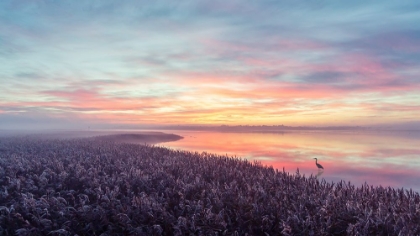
{"points": [[226, 97]]}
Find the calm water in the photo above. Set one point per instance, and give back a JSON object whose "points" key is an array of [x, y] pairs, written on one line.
{"points": [[387, 159]]}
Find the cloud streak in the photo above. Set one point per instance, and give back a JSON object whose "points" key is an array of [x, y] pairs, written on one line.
{"points": [[212, 62]]}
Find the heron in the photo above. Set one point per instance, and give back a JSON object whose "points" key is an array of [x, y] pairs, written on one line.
{"points": [[318, 165]]}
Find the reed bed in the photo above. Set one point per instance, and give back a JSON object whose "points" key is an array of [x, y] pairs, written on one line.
{"points": [[98, 187]]}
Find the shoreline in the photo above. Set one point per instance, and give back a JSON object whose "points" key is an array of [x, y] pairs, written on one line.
{"points": [[140, 137]]}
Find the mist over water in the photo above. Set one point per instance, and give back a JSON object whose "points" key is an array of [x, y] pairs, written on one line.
{"points": [[378, 158]]}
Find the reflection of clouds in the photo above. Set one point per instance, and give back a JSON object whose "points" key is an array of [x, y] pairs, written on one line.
{"points": [[320, 172], [263, 158], [349, 157], [390, 175]]}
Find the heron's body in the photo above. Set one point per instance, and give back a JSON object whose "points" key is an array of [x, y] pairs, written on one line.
{"points": [[318, 165]]}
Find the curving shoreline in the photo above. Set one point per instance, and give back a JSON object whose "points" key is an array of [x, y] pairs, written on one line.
{"points": [[140, 138], [94, 186]]}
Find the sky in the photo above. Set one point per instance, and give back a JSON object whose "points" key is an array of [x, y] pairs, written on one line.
{"points": [[137, 63]]}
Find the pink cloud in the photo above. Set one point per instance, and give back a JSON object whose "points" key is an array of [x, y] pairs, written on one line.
{"points": [[221, 96]]}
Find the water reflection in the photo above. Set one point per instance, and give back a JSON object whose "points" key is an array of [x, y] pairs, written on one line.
{"points": [[376, 158], [320, 172]]}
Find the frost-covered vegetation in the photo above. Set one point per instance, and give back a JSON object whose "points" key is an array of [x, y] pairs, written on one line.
{"points": [[95, 186]]}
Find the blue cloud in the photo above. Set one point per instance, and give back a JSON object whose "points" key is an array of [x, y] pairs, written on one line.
{"points": [[47, 45]]}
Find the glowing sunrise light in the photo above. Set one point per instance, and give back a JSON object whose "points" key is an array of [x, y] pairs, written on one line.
{"points": [[203, 62]]}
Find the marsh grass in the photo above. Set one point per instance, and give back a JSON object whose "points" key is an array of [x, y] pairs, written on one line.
{"points": [[98, 187]]}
